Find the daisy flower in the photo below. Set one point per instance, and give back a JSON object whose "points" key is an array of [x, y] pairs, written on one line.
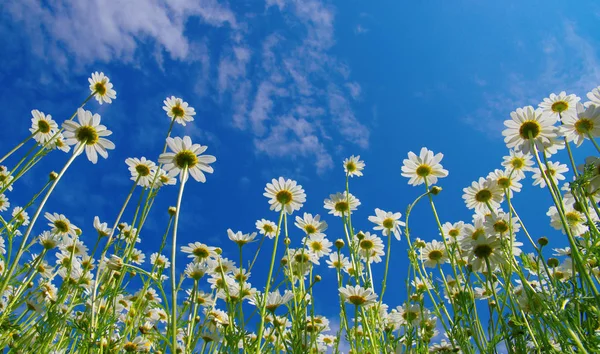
{"points": [[4, 203], [285, 194], [529, 121], [357, 295], [483, 250], [594, 97], [20, 216], [370, 247], [161, 178], [178, 110], [142, 170], [425, 168], [59, 142], [338, 261], [102, 88], [518, 163], [159, 261], [353, 166], [102, 228], [341, 204], [266, 227], [504, 180], [387, 222], [452, 231], [88, 132], [196, 270], [318, 245], [592, 162], [403, 315], [579, 127], [481, 193], [43, 127], [186, 155], [560, 106], [311, 225], [239, 238], [500, 224], [60, 224], [554, 171], [200, 252], [274, 299], [433, 254], [576, 220]]}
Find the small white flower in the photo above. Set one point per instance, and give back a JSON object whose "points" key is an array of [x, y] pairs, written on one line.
{"points": [[185, 154], [353, 166], [102, 88], [179, 110], [425, 168], [43, 127], [387, 222], [90, 133], [285, 194]]}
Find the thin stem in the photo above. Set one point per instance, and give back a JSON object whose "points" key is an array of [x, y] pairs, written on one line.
{"points": [[184, 176]]}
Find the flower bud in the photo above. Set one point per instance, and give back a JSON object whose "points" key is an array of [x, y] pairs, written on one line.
{"points": [[339, 243], [218, 250], [317, 278], [552, 262], [542, 241], [172, 211], [360, 235], [53, 176], [435, 190], [287, 241]]}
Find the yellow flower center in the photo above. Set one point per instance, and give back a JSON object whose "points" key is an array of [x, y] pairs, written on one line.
{"points": [[342, 207], [454, 233], [200, 252], [584, 126], [560, 106], [366, 244], [475, 235], [482, 251], [87, 134], [572, 218], [435, 255], [267, 228], [284, 197], [350, 166], [500, 226], [177, 111], [504, 182], [517, 163], [316, 246], [356, 300], [483, 196], [310, 229], [186, 158], [100, 88], [142, 170], [529, 127], [61, 226], [388, 223], [423, 171], [43, 126]]}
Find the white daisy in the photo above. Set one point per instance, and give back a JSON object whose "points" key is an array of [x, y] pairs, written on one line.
{"points": [[452, 231], [59, 142], [341, 204], [357, 295], [142, 170], [370, 247], [200, 252], [159, 261], [387, 222], [311, 225], [266, 227], [554, 171], [318, 245], [353, 166], [102, 88], [102, 228], [285, 194], [504, 180], [161, 178], [6, 179], [338, 261], [179, 110], [500, 224], [20, 216], [518, 163], [433, 254], [61, 225], [561, 105], [576, 220], [4, 203], [529, 121], [594, 97], [579, 127], [239, 238], [186, 155], [88, 132], [425, 168], [483, 250], [43, 127], [481, 193]]}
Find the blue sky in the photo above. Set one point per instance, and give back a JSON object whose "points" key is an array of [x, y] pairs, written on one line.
{"points": [[291, 88]]}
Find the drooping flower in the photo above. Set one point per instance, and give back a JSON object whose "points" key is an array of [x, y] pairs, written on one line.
{"points": [[357, 295], [88, 132], [353, 166], [341, 204], [387, 222], [43, 127], [285, 194], [179, 110], [102, 88], [528, 124], [102, 228], [425, 168], [184, 155], [579, 127], [561, 105]]}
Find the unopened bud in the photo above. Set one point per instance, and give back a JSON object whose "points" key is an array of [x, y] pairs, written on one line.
{"points": [[435, 190], [53, 176], [543, 241], [172, 211], [78, 231], [218, 250], [339, 243], [121, 226], [317, 278], [287, 241], [360, 235]]}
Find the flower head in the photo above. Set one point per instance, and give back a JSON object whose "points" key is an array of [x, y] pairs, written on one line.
{"points": [[581, 126], [102, 88], [285, 194], [142, 170], [527, 125], [357, 295], [518, 163], [561, 105], [239, 238], [186, 155], [433, 254], [554, 171], [90, 133], [43, 127], [266, 227], [341, 204], [311, 225], [179, 110], [353, 166], [425, 168], [481, 193], [387, 222]]}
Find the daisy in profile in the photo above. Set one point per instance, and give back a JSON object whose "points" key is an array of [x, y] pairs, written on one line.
{"points": [[311, 225], [102, 88], [43, 127], [353, 166], [433, 254], [593, 97], [554, 171], [20, 216], [142, 170], [285, 194], [59, 142], [560, 106], [89, 133], [341, 204], [584, 125], [4, 203], [482, 193], [186, 155], [200, 252], [239, 238], [266, 227], [179, 110], [357, 295], [61, 225], [387, 222], [528, 124], [425, 168], [101, 228], [576, 220], [338, 261], [518, 163], [161, 178]]}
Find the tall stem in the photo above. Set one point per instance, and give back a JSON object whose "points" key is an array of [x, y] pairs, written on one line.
{"points": [[184, 176], [17, 147]]}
